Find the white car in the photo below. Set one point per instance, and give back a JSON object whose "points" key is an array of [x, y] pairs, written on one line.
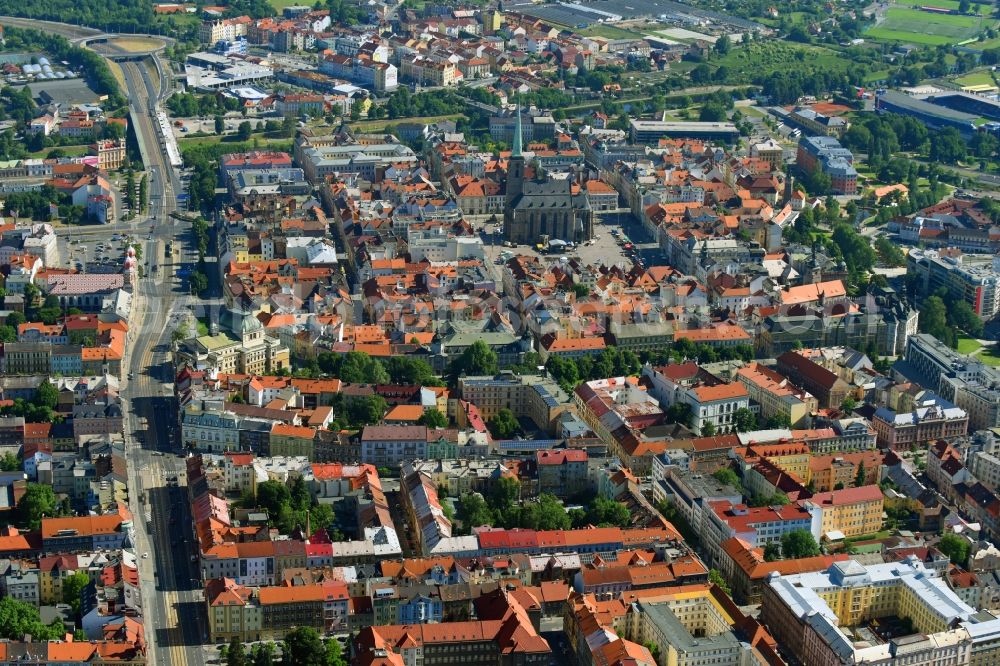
{"points": [[145, 556]]}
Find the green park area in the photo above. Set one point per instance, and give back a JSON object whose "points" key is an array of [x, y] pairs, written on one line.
{"points": [[764, 58]]}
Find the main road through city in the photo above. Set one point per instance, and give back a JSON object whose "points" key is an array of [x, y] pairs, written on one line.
{"points": [[173, 610]]}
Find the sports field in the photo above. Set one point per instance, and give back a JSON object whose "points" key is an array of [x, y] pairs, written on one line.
{"points": [[902, 24], [942, 4]]}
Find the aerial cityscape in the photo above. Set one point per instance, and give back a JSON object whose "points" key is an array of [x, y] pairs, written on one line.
{"points": [[556, 333]]}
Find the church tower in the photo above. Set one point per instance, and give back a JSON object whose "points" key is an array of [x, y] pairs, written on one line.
{"points": [[515, 167]]}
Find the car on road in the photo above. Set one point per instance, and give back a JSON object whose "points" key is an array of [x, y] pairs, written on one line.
{"points": [[145, 556]]}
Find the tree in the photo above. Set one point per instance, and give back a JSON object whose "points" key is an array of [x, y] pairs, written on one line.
{"points": [[848, 404], [9, 462], [39, 501], [304, 647], [727, 477], [744, 420], [477, 359], [505, 494], [366, 410], [263, 654], [272, 496], [244, 131], [47, 395], [473, 511], [679, 412], [799, 543], [410, 370], [956, 548], [220, 124], [334, 655], [715, 578], [236, 655], [934, 319], [948, 146], [72, 588], [198, 282], [707, 429], [889, 252], [432, 418], [18, 618], [859, 478], [504, 424], [723, 45], [712, 113], [772, 552], [143, 193], [607, 513], [963, 6], [962, 316]]}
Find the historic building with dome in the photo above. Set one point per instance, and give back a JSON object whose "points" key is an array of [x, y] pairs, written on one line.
{"points": [[236, 344], [543, 205]]}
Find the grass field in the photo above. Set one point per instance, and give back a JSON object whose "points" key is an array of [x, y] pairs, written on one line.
{"points": [[763, 58], [138, 44], [384, 124], [608, 31], [912, 25], [68, 151], [989, 356], [967, 345], [980, 78], [281, 4]]}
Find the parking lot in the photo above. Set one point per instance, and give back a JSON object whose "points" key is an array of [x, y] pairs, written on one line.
{"points": [[80, 253], [190, 126], [605, 248]]}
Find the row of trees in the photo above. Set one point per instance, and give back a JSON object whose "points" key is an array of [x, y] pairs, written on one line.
{"points": [[502, 507], [303, 646], [188, 105], [611, 362]]}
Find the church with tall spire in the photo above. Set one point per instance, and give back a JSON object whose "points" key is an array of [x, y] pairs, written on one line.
{"points": [[542, 206]]}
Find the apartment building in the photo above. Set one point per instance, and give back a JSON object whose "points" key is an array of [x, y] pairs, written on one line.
{"points": [[711, 400], [775, 394], [390, 446], [829, 389], [964, 382], [810, 613], [758, 526], [696, 625], [973, 278], [230, 612], [824, 153], [503, 635], [747, 571], [419, 498], [851, 512], [930, 420], [691, 493], [562, 472], [228, 30], [86, 533], [527, 396], [209, 430], [292, 440], [324, 606]]}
